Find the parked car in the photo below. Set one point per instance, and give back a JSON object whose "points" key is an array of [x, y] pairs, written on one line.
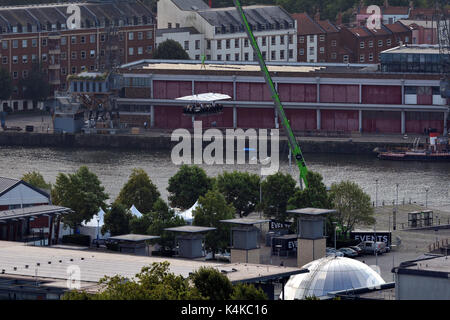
{"points": [[349, 253], [358, 250], [372, 247], [332, 251]]}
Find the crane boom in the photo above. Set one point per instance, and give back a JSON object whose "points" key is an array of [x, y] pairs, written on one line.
{"points": [[295, 148]]}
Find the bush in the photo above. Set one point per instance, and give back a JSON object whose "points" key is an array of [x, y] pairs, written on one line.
{"points": [[113, 246], [79, 239]]}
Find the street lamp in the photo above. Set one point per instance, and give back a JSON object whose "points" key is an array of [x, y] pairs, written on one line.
{"points": [[376, 193], [263, 162], [335, 227], [426, 196], [98, 228]]}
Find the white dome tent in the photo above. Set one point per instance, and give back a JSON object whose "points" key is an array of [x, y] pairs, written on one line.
{"points": [[330, 274], [94, 226], [187, 215], [135, 211]]}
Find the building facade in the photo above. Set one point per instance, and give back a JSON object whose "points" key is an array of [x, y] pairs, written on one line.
{"points": [[110, 33], [224, 36], [192, 41]]}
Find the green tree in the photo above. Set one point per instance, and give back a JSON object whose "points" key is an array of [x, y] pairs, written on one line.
{"points": [[36, 86], [163, 217], [241, 189], [277, 189], [315, 196], [170, 50], [152, 283], [37, 180], [82, 192], [213, 208], [140, 191], [187, 185], [244, 291], [6, 87], [352, 204], [140, 225], [117, 220], [212, 284]]}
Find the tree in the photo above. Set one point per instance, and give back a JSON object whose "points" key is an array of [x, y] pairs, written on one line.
{"points": [[212, 284], [244, 291], [36, 180], [213, 208], [163, 217], [187, 185], [82, 192], [6, 87], [140, 191], [152, 283], [315, 196], [36, 86], [277, 189], [170, 50], [117, 220], [140, 225], [352, 204], [241, 189]]}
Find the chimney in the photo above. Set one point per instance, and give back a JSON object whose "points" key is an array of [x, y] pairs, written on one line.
{"points": [[386, 3], [339, 19], [411, 5], [317, 16], [210, 3]]}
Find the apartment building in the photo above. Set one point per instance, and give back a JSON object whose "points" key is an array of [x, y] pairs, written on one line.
{"points": [[224, 36], [110, 33], [192, 41], [389, 14]]}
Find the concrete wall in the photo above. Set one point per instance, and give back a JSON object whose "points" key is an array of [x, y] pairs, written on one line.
{"points": [[246, 256], [415, 287], [310, 250]]}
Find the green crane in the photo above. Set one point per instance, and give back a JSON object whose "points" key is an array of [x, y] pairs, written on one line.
{"points": [[295, 148]]}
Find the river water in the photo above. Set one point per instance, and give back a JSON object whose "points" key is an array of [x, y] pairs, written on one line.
{"points": [[114, 167]]}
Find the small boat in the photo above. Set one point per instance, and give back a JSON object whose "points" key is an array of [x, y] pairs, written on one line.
{"points": [[437, 149]]}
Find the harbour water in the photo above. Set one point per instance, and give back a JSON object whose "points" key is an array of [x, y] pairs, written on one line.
{"points": [[114, 167]]}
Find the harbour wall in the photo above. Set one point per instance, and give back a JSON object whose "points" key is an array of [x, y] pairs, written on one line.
{"points": [[163, 142]]}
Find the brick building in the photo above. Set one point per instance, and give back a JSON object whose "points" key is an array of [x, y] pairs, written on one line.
{"points": [[112, 33], [366, 44]]}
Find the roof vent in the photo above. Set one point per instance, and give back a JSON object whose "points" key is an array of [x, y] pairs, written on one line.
{"points": [[195, 8]]}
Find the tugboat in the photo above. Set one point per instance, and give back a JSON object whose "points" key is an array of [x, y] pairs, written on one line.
{"points": [[437, 149]]}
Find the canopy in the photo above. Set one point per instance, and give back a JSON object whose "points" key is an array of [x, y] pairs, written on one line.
{"points": [[187, 215], [93, 222], [135, 211], [205, 97]]}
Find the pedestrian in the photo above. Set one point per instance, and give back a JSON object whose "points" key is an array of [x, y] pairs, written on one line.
{"points": [[145, 125]]}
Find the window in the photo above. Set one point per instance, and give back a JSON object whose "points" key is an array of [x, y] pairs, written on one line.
{"points": [[208, 44], [140, 51], [273, 55], [380, 43], [281, 54], [25, 74], [281, 39], [74, 70], [169, 25], [15, 44], [274, 40], [322, 49], [197, 57], [264, 41], [15, 75], [370, 43], [322, 37], [302, 51], [227, 57], [291, 39], [361, 58], [63, 41], [246, 43], [333, 55], [236, 57], [361, 44], [15, 60], [406, 39], [92, 38], [140, 36], [291, 54], [301, 39], [388, 42], [5, 45], [370, 56], [121, 36], [219, 44], [130, 36], [63, 71], [311, 38], [92, 53], [73, 39], [25, 59], [102, 38], [83, 39], [208, 57], [44, 42], [227, 43], [219, 57], [121, 51], [333, 43], [236, 43], [177, 25], [74, 55], [197, 44], [92, 68], [5, 59], [130, 51], [149, 48], [345, 59], [63, 56], [83, 54], [24, 43], [246, 56], [149, 35], [186, 45], [102, 52], [311, 50]]}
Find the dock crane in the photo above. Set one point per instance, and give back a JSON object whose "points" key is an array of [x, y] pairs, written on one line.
{"points": [[295, 148]]}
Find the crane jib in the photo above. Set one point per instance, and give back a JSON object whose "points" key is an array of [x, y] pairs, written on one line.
{"points": [[295, 148]]}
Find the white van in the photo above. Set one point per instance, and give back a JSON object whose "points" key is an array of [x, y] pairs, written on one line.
{"points": [[372, 247]]}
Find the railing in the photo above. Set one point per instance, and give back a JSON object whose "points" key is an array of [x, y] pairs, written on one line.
{"points": [[438, 245]]}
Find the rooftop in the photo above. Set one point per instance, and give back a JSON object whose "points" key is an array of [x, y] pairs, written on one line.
{"points": [[417, 49], [245, 221], [6, 183], [306, 25], [190, 5], [95, 265], [429, 266], [190, 229], [32, 211], [190, 30], [311, 211], [134, 237]]}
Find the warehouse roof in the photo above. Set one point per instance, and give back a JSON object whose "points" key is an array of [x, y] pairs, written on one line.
{"points": [[417, 49], [428, 266], [190, 5], [245, 221], [6, 184], [32, 212], [134, 237], [190, 229], [95, 265], [191, 30]]}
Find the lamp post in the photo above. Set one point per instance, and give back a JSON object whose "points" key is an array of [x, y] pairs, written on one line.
{"points": [[376, 193], [426, 196], [98, 228], [335, 227]]}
